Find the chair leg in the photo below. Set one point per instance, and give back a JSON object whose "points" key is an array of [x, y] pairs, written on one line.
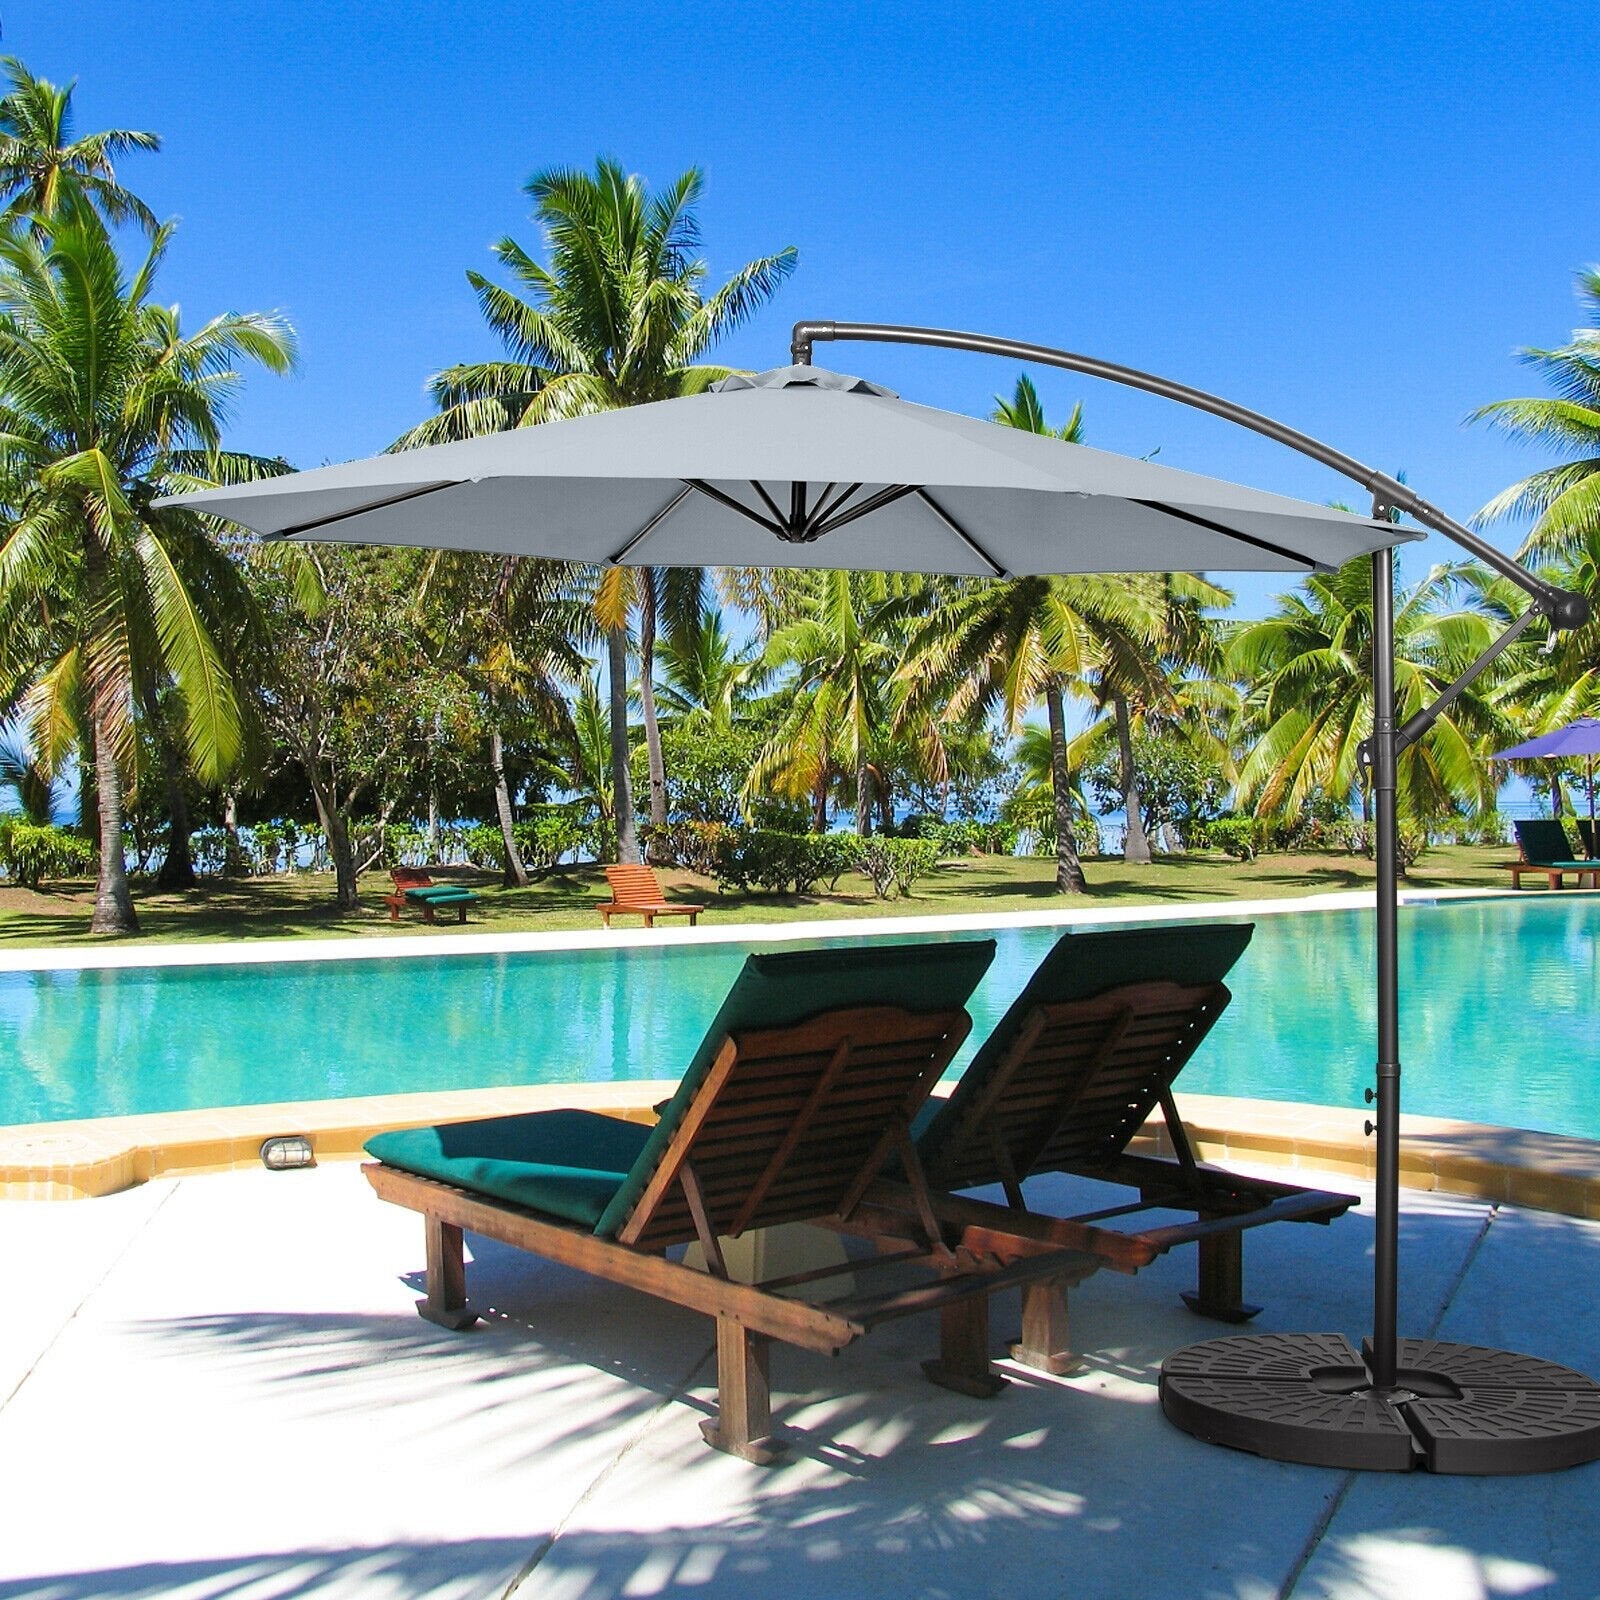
{"points": [[963, 1363], [447, 1277], [743, 1425], [1044, 1344], [1220, 1291]]}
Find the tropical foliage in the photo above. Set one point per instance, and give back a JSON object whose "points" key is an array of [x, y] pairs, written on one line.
{"points": [[213, 703]]}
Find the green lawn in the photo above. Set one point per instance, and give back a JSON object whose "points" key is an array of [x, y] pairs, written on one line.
{"points": [[301, 906]]}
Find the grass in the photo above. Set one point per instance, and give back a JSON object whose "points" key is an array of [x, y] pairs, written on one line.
{"points": [[301, 906]]}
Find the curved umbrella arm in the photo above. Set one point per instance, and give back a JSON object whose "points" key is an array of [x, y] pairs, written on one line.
{"points": [[1561, 607]]}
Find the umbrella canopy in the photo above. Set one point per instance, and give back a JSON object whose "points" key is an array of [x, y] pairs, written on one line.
{"points": [[801, 467], [1578, 738]]}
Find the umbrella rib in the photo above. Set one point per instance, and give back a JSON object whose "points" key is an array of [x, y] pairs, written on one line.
{"points": [[873, 502], [651, 526], [825, 508], [1231, 533], [995, 569], [769, 503], [711, 492], [374, 505]]}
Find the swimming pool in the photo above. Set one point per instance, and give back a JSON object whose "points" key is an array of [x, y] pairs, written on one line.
{"points": [[1503, 1032]]}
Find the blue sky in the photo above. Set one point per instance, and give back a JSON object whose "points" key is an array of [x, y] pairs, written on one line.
{"points": [[1346, 216]]}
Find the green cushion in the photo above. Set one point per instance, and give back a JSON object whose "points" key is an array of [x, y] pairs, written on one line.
{"points": [[443, 891], [790, 985], [1545, 843], [566, 1163], [1082, 965]]}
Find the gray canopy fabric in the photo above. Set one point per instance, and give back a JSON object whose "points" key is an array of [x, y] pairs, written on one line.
{"points": [[801, 467]]}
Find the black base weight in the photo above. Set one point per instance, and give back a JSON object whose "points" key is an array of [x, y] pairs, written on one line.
{"points": [[1455, 1408]]}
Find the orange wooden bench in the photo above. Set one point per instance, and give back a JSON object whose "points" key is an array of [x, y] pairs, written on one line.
{"points": [[634, 890]]}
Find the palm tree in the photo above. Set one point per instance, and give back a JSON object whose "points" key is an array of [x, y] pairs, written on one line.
{"points": [[842, 661], [708, 680], [40, 161], [617, 318], [1024, 410], [104, 405], [1311, 663], [1008, 645], [514, 631], [1563, 500]]}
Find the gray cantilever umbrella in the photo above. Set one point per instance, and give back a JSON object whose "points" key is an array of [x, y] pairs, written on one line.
{"points": [[837, 471]]}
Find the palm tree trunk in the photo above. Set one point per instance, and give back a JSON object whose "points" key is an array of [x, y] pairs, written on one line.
{"points": [[113, 904], [647, 697], [516, 874], [433, 823], [1069, 869], [177, 868], [863, 800], [621, 778], [819, 804], [1135, 842]]}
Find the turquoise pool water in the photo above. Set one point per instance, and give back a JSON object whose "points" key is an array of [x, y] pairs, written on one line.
{"points": [[1499, 1022]]}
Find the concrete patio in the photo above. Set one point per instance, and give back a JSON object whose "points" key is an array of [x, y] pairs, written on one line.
{"points": [[216, 1387]]}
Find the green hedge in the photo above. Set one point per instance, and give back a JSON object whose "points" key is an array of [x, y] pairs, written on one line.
{"points": [[31, 852], [779, 863]]}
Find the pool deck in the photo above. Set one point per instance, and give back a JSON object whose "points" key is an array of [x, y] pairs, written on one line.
{"points": [[216, 1388]]}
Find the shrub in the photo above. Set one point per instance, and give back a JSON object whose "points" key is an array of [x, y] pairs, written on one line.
{"points": [[266, 843], [483, 847], [32, 851], [1234, 836], [779, 862], [896, 864], [686, 844], [549, 834]]}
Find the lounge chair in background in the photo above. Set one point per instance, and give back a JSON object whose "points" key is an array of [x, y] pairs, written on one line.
{"points": [[803, 1088], [1086, 1053], [635, 889], [1547, 850], [1586, 833], [413, 886]]}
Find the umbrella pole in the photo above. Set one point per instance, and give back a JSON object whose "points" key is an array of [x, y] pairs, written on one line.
{"points": [[1386, 1248]]}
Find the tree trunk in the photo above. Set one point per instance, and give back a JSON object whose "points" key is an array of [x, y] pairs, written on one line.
{"points": [[621, 778], [516, 874], [433, 824], [1135, 842], [233, 849], [341, 848], [1069, 869], [113, 904], [647, 698], [863, 800], [819, 805], [177, 869]]}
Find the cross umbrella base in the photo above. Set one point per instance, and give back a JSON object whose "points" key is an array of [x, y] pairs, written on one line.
{"points": [[1455, 1408]]}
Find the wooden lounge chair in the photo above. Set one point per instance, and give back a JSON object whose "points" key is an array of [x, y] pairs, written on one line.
{"points": [[1586, 834], [413, 886], [1547, 851], [1085, 1054], [634, 889], [804, 1086]]}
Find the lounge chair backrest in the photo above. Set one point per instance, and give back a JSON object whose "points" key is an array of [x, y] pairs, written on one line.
{"points": [[1085, 1053], [777, 990], [1544, 840], [634, 884], [792, 1124], [1586, 832], [411, 878]]}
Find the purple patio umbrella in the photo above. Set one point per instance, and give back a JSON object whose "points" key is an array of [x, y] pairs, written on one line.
{"points": [[1579, 738]]}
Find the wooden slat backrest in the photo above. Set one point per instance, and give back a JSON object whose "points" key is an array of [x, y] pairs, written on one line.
{"points": [[1079, 1081], [411, 878], [634, 884], [792, 1121]]}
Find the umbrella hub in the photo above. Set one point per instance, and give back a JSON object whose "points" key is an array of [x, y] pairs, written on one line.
{"points": [[801, 378]]}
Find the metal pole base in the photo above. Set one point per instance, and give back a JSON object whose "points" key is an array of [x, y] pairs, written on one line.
{"points": [[1455, 1408]]}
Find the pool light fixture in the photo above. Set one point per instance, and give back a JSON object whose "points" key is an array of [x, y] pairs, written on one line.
{"points": [[286, 1151]]}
